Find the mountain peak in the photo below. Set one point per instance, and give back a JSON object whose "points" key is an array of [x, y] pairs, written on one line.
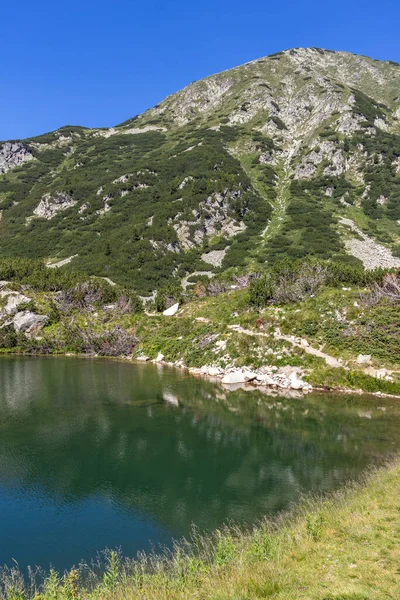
{"points": [[289, 155]]}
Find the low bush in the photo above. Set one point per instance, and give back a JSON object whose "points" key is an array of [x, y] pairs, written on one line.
{"points": [[291, 281]]}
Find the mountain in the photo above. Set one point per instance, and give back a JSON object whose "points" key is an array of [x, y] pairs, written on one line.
{"points": [[295, 154]]}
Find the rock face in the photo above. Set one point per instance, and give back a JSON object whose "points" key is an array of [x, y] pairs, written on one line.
{"points": [[50, 205], [28, 322], [13, 154]]}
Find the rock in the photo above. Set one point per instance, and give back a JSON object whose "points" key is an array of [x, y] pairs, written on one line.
{"points": [[142, 358], [160, 357], [236, 377], [13, 154], [295, 383], [14, 299], [266, 380], [213, 371], [28, 322], [172, 310], [239, 377], [220, 344], [381, 374], [363, 359], [50, 205]]}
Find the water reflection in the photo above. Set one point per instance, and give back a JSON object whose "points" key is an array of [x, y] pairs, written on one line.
{"points": [[96, 453]]}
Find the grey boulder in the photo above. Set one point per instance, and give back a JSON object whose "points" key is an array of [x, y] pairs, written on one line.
{"points": [[27, 322]]}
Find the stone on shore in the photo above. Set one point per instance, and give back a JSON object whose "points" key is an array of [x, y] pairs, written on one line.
{"points": [[295, 382], [239, 377]]}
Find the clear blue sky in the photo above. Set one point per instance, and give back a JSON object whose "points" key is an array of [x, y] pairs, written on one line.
{"points": [[99, 62]]}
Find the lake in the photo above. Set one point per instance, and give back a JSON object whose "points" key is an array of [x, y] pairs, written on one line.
{"points": [[97, 453]]}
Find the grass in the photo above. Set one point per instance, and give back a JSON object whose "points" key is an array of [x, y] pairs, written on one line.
{"points": [[335, 320], [346, 547]]}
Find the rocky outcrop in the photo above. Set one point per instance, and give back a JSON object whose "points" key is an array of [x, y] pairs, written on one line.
{"points": [[13, 300], [13, 154], [52, 204], [325, 151], [28, 322], [213, 217]]}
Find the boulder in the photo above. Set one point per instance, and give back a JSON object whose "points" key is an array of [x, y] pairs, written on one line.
{"points": [[142, 358], [213, 371], [172, 310], [27, 322], [159, 358], [266, 380], [14, 299], [295, 383], [363, 359], [239, 377]]}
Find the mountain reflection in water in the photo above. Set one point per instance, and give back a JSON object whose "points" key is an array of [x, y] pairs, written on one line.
{"points": [[97, 453]]}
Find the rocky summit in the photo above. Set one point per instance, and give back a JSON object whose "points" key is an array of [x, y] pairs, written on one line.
{"points": [[296, 154]]}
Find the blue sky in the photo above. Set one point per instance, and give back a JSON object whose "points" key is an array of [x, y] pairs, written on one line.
{"points": [[98, 62]]}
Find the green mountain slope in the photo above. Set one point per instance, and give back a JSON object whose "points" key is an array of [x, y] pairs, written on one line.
{"points": [[291, 155]]}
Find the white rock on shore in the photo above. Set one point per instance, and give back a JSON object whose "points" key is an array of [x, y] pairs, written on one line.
{"points": [[238, 377], [212, 371], [286, 378]]}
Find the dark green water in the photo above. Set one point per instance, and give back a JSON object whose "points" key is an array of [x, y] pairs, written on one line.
{"points": [[97, 454]]}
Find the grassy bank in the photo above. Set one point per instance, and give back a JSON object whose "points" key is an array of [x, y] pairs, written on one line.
{"points": [[336, 326], [343, 548]]}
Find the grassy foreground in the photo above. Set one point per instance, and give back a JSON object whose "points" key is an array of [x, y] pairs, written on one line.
{"points": [[343, 548]]}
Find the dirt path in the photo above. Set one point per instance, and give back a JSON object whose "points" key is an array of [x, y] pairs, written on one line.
{"points": [[298, 342]]}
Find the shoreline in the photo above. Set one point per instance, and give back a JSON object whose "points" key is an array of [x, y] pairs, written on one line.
{"points": [[250, 385]]}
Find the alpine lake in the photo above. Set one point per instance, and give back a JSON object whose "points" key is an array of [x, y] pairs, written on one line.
{"points": [[97, 454]]}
